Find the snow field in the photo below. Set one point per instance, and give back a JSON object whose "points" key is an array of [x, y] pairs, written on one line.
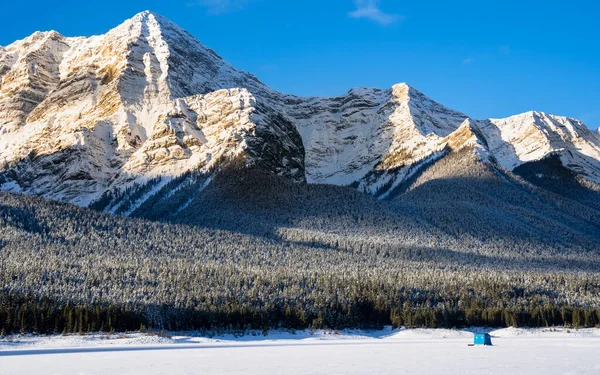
{"points": [[418, 351]]}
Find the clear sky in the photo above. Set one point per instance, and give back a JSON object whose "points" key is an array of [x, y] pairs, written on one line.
{"points": [[485, 58]]}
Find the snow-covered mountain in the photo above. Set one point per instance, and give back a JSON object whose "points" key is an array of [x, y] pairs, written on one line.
{"points": [[533, 136], [79, 116], [144, 105]]}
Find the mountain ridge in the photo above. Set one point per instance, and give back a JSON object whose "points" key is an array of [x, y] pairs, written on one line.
{"points": [[84, 118]]}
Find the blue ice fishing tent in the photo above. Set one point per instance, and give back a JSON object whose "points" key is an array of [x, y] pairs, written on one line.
{"points": [[483, 339]]}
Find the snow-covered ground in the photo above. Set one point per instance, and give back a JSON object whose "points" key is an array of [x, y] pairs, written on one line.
{"points": [[418, 351]]}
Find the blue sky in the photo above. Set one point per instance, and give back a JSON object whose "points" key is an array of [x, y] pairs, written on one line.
{"points": [[485, 58]]}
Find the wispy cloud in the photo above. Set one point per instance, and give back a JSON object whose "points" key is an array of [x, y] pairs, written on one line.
{"points": [[468, 61], [370, 9], [217, 7]]}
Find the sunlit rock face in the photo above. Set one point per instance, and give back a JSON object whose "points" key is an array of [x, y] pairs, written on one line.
{"points": [[146, 103]]}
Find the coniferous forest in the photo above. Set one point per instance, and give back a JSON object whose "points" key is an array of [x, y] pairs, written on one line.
{"points": [[254, 251]]}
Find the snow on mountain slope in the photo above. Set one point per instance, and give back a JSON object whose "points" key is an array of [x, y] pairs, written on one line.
{"points": [[370, 131], [534, 135], [29, 70], [87, 116], [143, 100]]}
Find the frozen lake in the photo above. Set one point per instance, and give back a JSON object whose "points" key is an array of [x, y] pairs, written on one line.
{"points": [[515, 351]]}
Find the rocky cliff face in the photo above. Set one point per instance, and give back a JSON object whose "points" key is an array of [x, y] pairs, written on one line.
{"points": [[81, 116], [85, 120], [372, 139]]}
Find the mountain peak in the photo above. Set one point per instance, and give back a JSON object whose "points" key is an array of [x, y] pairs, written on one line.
{"points": [[33, 41], [145, 14], [149, 16], [468, 134], [147, 22], [182, 63], [403, 86]]}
